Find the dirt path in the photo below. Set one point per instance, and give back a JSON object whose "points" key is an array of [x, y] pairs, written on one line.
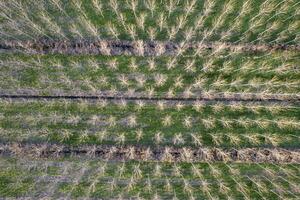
{"points": [[167, 154], [137, 48], [218, 97]]}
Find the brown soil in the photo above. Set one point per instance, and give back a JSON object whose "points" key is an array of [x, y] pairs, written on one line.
{"points": [[168, 154], [217, 97], [138, 48]]}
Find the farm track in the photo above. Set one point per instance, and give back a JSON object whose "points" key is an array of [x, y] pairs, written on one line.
{"points": [[137, 48], [219, 98], [142, 153]]}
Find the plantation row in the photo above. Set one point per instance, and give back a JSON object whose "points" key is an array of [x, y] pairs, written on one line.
{"points": [[77, 178], [241, 73], [268, 21], [122, 122]]}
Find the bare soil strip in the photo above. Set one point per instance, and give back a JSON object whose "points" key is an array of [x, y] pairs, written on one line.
{"points": [[167, 154], [138, 48], [205, 98]]}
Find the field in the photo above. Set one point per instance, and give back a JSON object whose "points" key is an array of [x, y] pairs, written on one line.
{"points": [[150, 99]]}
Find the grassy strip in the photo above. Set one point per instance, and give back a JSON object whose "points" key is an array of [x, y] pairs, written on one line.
{"points": [[260, 21], [98, 179], [238, 73], [149, 124]]}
